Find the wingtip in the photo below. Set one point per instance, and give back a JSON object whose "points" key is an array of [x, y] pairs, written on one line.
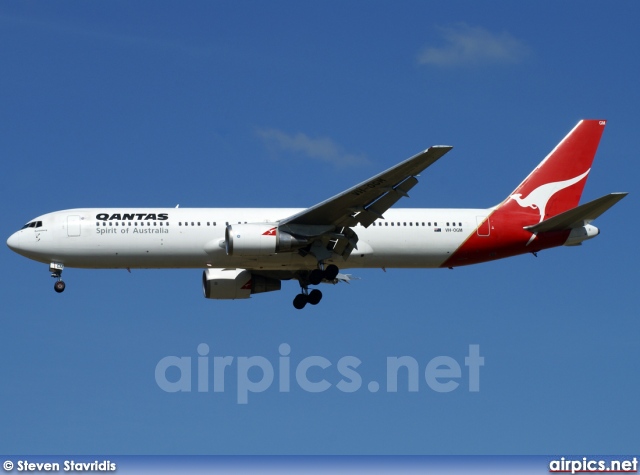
{"points": [[442, 149], [619, 194]]}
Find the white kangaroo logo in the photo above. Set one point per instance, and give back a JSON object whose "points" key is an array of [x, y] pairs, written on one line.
{"points": [[539, 197]]}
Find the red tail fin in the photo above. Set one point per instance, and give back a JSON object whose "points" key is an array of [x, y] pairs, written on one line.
{"points": [[556, 184], [552, 188]]}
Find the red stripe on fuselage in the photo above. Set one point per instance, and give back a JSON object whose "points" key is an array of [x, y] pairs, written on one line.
{"points": [[507, 238]]}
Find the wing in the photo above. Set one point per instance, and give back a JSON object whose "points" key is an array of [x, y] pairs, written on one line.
{"points": [[367, 201], [327, 225]]}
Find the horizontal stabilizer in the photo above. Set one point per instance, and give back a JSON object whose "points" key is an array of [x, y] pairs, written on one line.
{"points": [[578, 216]]}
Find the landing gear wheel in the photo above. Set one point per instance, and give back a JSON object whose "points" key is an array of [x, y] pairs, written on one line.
{"points": [[314, 297], [300, 301], [331, 272], [59, 286], [315, 276]]}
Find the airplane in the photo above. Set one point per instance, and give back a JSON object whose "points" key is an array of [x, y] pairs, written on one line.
{"points": [[252, 250]]}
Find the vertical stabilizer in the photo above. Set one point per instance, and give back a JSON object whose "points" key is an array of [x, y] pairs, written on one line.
{"points": [[557, 182], [552, 189]]}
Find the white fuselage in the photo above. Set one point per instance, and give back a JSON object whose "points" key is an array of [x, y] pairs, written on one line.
{"points": [[194, 238]]}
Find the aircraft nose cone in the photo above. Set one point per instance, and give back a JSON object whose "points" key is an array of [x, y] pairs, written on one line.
{"points": [[14, 241]]}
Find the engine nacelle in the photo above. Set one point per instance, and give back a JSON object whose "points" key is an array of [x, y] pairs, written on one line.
{"points": [[235, 284], [580, 234], [259, 239]]}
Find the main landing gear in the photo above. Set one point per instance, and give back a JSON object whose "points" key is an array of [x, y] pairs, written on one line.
{"points": [[56, 272], [306, 297], [314, 296]]}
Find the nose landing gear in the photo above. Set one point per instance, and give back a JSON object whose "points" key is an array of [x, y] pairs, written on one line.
{"points": [[56, 272]]}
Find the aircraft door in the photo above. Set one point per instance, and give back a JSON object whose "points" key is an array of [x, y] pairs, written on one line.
{"points": [[73, 226], [484, 226]]}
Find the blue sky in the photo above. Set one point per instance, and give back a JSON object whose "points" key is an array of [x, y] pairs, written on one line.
{"points": [[244, 104]]}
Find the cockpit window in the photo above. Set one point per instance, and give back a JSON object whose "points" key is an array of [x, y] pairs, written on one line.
{"points": [[33, 224]]}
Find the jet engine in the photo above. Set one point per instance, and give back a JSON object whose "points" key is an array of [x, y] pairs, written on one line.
{"points": [[235, 284], [259, 239]]}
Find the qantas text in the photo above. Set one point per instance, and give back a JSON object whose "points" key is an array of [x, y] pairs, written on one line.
{"points": [[132, 216]]}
